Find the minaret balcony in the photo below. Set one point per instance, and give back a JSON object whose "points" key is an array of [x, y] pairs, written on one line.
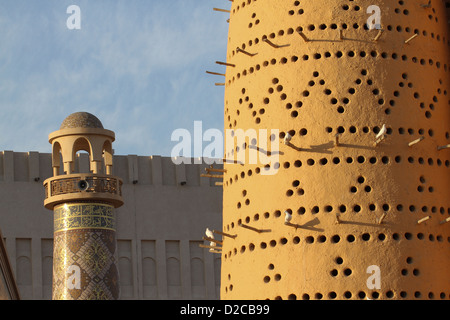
{"points": [[83, 187]]}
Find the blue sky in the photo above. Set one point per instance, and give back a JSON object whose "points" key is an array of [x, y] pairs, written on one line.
{"points": [[138, 65]]}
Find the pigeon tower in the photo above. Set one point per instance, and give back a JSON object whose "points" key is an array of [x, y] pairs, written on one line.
{"points": [[354, 203]]}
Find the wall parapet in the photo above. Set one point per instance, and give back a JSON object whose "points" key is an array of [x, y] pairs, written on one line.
{"points": [[155, 170]]}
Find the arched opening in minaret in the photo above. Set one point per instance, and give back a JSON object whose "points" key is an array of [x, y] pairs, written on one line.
{"points": [[56, 158], [108, 157], [82, 154]]}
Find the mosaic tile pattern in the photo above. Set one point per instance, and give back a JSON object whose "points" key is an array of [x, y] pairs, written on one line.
{"points": [[84, 257], [82, 215]]}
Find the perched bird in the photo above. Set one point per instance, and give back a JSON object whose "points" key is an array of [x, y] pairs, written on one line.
{"points": [[287, 138], [288, 217], [209, 233], [382, 132]]}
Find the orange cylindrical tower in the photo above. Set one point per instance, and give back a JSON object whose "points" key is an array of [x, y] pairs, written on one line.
{"points": [[355, 202]]}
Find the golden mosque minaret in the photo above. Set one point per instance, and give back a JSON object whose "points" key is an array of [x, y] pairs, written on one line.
{"points": [[357, 207], [83, 202]]}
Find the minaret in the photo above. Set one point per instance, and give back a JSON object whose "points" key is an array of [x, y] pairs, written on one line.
{"points": [[355, 204], [83, 203]]}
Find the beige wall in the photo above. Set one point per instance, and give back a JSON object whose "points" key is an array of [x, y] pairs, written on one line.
{"points": [[8, 288], [159, 227]]}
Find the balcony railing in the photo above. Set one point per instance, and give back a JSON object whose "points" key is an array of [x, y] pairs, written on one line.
{"points": [[98, 186]]}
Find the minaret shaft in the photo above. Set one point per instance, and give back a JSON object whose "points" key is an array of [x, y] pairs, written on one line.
{"points": [[85, 252]]}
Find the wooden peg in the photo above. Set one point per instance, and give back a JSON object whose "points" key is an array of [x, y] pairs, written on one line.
{"points": [[245, 52], [219, 84], [219, 184], [215, 73], [303, 36], [338, 220], [273, 44], [226, 64], [443, 147], [296, 226], [212, 249], [445, 221], [423, 219], [380, 32], [380, 220], [221, 10], [428, 5], [233, 236], [408, 40], [341, 34], [232, 161], [336, 139], [211, 169], [209, 247], [212, 176], [381, 138], [289, 144], [212, 240], [415, 141], [250, 228], [253, 228]]}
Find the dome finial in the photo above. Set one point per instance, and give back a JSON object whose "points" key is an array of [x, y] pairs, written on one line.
{"points": [[81, 120]]}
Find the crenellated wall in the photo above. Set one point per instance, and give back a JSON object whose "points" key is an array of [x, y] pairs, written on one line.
{"points": [[154, 170], [159, 228]]}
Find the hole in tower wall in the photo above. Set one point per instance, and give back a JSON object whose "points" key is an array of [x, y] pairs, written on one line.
{"points": [[309, 239], [335, 239]]}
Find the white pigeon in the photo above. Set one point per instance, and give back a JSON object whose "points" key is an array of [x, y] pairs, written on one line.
{"points": [[288, 217], [382, 132], [287, 138], [209, 233]]}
